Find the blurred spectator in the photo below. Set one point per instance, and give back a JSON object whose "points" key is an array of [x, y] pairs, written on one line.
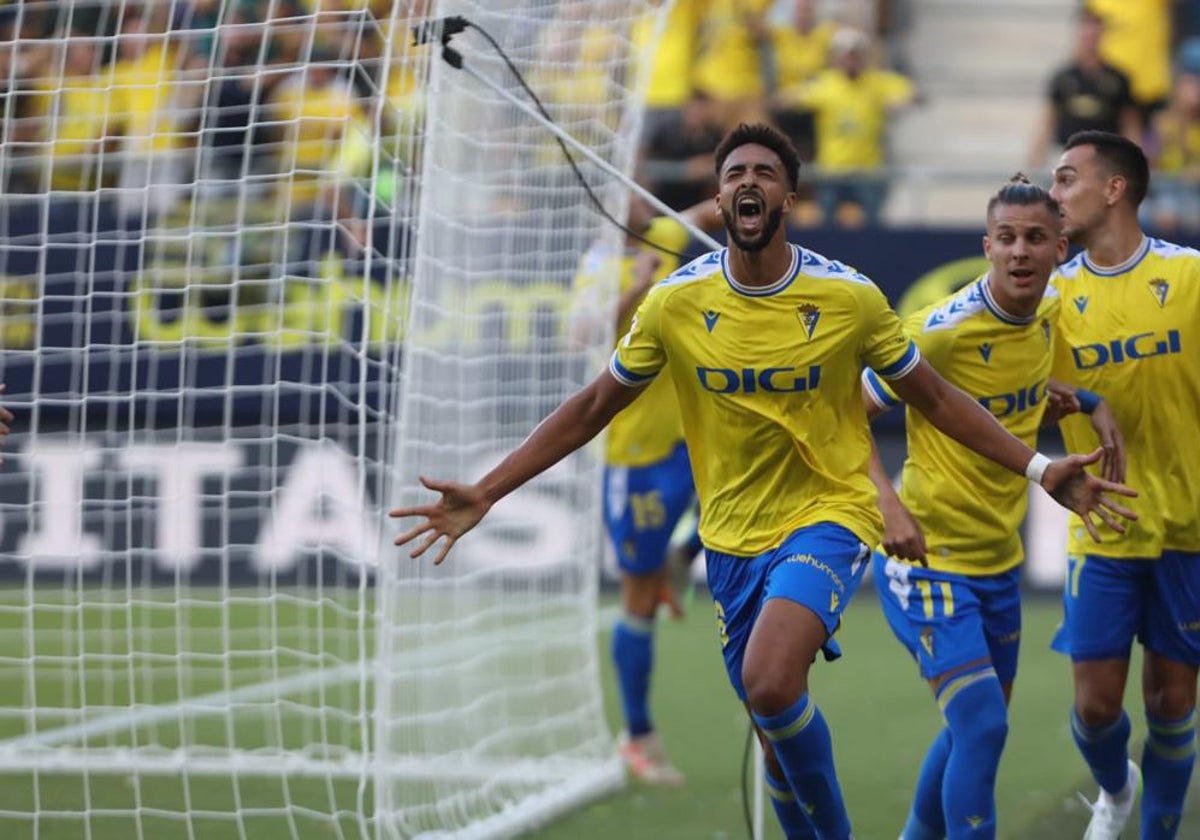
{"points": [[1174, 150], [322, 139], [728, 67], [670, 67], [78, 118], [852, 103], [1085, 93], [677, 159], [158, 112], [1137, 41], [243, 78], [798, 52]]}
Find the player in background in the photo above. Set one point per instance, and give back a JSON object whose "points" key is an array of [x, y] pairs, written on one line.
{"points": [[648, 483], [948, 576], [1130, 325], [764, 342]]}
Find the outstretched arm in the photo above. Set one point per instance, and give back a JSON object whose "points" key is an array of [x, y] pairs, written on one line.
{"points": [[568, 427], [955, 414]]}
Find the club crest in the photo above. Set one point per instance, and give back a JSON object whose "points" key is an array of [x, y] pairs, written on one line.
{"points": [[809, 314]]}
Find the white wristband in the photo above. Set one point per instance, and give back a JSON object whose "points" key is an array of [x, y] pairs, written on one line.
{"points": [[1036, 467]]}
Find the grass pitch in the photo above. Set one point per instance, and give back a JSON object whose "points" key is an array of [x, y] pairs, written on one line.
{"points": [[882, 717]]}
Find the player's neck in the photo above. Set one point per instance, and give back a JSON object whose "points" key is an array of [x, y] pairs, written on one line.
{"points": [[1114, 243], [761, 268]]}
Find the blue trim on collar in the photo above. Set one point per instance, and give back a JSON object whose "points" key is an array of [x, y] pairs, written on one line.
{"points": [[763, 291], [985, 291], [1113, 270]]}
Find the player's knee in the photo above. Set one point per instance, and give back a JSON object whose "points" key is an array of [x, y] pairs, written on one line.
{"points": [[1170, 702], [1096, 711], [770, 691]]}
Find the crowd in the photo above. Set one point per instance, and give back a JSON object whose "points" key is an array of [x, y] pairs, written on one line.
{"points": [[277, 100]]}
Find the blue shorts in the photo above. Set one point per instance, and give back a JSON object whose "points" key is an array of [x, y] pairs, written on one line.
{"points": [[947, 620], [1108, 603], [819, 566], [642, 506]]}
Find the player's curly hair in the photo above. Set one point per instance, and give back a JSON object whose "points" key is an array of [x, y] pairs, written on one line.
{"points": [[761, 134], [1021, 192]]}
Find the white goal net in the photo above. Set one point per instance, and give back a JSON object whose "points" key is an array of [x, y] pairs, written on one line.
{"points": [[263, 263]]}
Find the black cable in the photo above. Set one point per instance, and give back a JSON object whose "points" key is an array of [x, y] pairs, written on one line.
{"points": [[444, 29], [745, 784]]}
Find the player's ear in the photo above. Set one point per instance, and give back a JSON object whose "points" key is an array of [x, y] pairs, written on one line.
{"points": [[1063, 247], [987, 247]]}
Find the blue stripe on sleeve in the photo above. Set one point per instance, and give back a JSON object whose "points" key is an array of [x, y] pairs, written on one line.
{"points": [[904, 365], [876, 391], [626, 376]]}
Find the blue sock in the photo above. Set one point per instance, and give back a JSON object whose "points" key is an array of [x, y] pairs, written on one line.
{"points": [[633, 657], [977, 718], [802, 745], [795, 822], [1105, 749], [1167, 761], [926, 821]]}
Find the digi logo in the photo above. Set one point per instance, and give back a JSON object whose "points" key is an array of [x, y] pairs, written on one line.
{"points": [[1120, 350], [1003, 405], [772, 380]]}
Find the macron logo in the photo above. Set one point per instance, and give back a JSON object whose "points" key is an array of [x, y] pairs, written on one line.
{"points": [[985, 350], [710, 319], [1081, 303]]}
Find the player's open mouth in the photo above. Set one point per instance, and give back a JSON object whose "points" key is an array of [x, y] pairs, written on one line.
{"points": [[749, 210], [1021, 274]]}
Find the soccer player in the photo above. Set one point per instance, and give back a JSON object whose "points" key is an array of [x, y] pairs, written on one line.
{"points": [[648, 483], [1130, 324], [949, 576], [764, 342]]}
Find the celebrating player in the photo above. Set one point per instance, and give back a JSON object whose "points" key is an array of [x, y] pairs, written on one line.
{"points": [[949, 577], [764, 342], [1130, 324]]}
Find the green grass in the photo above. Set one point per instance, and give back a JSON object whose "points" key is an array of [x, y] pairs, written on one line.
{"points": [[882, 718], [881, 715]]}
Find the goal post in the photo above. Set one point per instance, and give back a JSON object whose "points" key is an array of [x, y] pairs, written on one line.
{"points": [[261, 266]]}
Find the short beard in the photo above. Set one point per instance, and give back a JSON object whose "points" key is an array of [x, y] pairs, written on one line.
{"points": [[773, 220]]}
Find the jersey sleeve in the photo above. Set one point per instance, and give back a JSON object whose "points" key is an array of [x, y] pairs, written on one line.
{"points": [[932, 345], [886, 347], [639, 355]]}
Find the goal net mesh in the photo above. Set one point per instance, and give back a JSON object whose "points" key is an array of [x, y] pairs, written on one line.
{"points": [[263, 264]]}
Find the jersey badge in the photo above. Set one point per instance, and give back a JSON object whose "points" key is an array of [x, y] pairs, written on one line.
{"points": [[809, 314], [710, 319], [1081, 303], [1160, 287], [985, 350]]}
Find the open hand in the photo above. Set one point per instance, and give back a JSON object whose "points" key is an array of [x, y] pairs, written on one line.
{"points": [[458, 510], [1071, 486]]}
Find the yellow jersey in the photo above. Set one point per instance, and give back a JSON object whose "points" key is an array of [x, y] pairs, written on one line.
{"points": [[969, 507], [647, 431], [800, 56], [1131, 333], [728, 66], [768, 384], [667, 61], [851, 115], [1137, 41]]}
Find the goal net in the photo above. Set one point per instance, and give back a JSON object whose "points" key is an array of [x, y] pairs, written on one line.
{"points": [[262, 264]]}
